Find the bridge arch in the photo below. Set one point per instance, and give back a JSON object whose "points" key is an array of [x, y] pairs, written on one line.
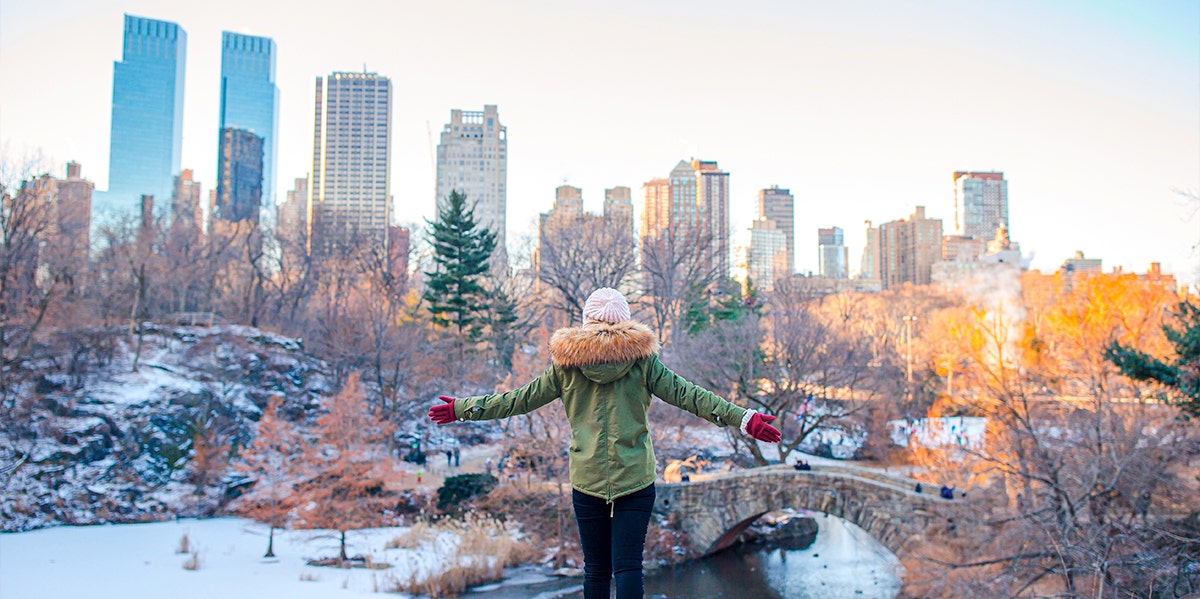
{"points": [[713, 512]]}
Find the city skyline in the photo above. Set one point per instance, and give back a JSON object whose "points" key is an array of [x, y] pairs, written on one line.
{"points": [[1089, 110]]}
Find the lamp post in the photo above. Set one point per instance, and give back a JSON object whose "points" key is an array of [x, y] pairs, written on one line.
{"points": [[908, 324]]}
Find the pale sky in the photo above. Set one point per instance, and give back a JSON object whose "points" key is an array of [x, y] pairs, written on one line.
{"points": [[864, 109]]}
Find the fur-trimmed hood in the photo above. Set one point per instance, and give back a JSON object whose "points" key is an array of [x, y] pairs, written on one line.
{"points": [[602, 343]]}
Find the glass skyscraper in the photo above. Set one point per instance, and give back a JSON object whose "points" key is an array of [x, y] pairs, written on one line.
{"points": [[147, 117], [250, 101], [239, 176]]}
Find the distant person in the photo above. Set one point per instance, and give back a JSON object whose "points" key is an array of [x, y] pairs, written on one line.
{"points": [[487, 467], [802, 465], [449, 458], [947, 492], [918, 489], [456, 457], [606, 372]]}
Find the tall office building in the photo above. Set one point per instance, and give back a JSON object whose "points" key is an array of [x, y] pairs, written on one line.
{"points": [[472, 158], [766, 260], [691, 203], [147, 117], [980, 204], [239, 176], [779, 205], [908, 248], [350, 191], [250, 101], [832, 254], [187, 213], [1079, 264]]}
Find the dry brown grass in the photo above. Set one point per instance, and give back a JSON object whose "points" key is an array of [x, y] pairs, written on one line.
{"points": [[485, 547], [309, 577], [192, 563], [185, 544], [414, 537]]}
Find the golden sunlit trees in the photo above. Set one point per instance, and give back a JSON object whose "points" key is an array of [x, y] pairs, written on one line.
{"points": [[1076, 455], [342, 470], [270, 463]]}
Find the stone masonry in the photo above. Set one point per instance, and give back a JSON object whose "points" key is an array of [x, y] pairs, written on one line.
{"points": [[713, 512]]}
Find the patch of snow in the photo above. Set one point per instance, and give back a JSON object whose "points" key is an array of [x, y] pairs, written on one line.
{"points": [[933, 433], [133, 561]]}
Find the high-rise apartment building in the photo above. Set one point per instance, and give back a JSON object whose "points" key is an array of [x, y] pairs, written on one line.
{"points": [[868, 268], [567, 214], [980, 204], [350, 190], [691, 205], [670, 206], [778, 205], [293, 218], [63, 241], [145, 142], [712, 198], [239, 176], [568, 201], [908, 248], [472, 158], [766, 260], [832, 254], [250, 101], [618, 208]]}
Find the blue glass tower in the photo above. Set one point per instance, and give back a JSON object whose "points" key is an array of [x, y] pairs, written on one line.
{"points": [[250, 101], [147, 118]]}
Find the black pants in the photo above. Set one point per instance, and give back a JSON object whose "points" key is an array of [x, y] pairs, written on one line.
{"points": [[613, 537]]}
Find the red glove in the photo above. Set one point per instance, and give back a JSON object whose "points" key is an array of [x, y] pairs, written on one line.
{"points": [[759, 429], [444, 413]]}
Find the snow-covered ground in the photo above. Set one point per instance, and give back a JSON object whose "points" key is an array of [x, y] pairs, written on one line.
{"points": [[134, 561]]}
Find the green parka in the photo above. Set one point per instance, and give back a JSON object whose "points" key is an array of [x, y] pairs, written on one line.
{"points": [[605, 374]]}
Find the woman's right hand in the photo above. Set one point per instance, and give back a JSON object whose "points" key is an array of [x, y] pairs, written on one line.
{"points": [[443, 413], [759, 429]]}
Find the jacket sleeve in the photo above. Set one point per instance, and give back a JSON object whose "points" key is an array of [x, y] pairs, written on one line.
{"points": [[535, 394], [683, 394]]}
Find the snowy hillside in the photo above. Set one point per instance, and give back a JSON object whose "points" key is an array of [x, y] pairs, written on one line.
{"points": [[107, 444]]}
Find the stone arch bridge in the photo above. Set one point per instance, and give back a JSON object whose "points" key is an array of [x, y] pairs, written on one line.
{"points": [[714, 511]]}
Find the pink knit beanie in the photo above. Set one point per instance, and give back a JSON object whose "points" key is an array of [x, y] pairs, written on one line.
{"points": [[606, 305]]}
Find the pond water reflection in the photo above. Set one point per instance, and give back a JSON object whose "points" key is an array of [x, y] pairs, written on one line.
{"points": [[843, 562]]}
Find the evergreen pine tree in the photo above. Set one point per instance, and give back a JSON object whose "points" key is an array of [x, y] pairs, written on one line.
{"points": [[1181, 374], [462, 252], [501, 319]]}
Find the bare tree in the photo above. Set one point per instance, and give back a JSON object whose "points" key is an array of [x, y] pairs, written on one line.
{"points": [[676, 266], [579, 254], [29, 281]]}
